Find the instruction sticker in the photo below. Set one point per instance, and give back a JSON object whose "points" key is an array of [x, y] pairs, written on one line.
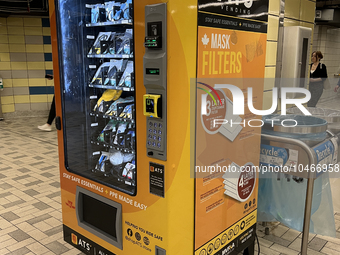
{"points": [[156, 179]]}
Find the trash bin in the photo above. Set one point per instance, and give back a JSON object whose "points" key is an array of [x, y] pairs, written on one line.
{"points": [[309, 129], [282, 196], [331, 116]]}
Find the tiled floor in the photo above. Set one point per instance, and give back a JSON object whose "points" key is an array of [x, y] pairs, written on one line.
{"points": [[30, 210]]}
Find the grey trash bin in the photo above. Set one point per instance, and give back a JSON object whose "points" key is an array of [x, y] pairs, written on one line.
{"points": [[331, 116]]}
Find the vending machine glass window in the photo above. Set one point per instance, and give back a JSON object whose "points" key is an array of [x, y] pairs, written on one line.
{"points": [[96, 62]]}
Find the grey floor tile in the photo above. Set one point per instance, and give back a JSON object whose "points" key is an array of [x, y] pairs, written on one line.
{"points": [[19, 235], [39, 218], [41, 206], [24, 170], [9, 216], [31, 192], [317, 244], [55, 184], [54, 231], [57, 247], [21, 251], [276, 239]]}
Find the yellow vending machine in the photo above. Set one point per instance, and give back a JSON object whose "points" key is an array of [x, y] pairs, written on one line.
{"points": [[153, 158]]}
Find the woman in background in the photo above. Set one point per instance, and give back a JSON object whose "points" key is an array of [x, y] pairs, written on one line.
{"points": [[318, 74]]}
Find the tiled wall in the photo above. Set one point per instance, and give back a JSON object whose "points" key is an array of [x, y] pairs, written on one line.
{"points": [[297, 13], [327, 40], [25, 59]]}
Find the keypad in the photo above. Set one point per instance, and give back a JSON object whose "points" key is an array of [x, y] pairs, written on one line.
{"points": [[155, 135]]}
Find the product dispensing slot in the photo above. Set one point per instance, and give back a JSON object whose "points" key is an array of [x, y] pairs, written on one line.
{"points": [[100, 216]]}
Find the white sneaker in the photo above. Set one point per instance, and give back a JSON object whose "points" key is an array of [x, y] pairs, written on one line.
{"points": [[45, 127]]}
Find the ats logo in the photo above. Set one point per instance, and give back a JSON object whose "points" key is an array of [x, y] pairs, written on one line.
{"points": [[80, 242], [70, 204], [74, 239]]}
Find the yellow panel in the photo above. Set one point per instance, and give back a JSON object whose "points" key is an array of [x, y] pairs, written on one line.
{"points": [[37, 82], [292, 9], [50, 98], [307, 11], [5, 66], [20, 82], [3, 30], [4, 57], [16, 39], [273, 28], [15, 22], [38, 98], [269, 83], [8, 108], [7, 100], [22, 99], [47, 48], [33, 30], [269, 72], [267, 100], [3, 39], [32, 22], [49, 82], [17, 48], [15, 30], [305, 24], [36, 65], [3, 21], [4, 48], [7, 83], [271, 53], [49, 65], [290, 22], [18, 65], [46, 31], [274, 7], [34, 48]]}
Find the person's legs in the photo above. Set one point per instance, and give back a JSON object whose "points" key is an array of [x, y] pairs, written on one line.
{"points": [[316, 91], [51, 115]]}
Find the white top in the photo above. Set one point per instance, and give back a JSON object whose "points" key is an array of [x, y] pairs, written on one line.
{"points": [[312, 71]]}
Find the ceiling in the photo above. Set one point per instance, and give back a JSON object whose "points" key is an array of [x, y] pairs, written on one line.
{"points": [[40, 7], [23, 7]]}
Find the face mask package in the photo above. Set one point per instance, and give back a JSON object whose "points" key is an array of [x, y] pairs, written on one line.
{"points": [[121, 129], [100, 74], [124, 43], [127, 10], [102, 36], [103, 164], [95, 14], [125, 139], [129, 173], [106, 99], [106, 135], [126, 80], [114, 73], [98, 14], [110, 8], [127, 112], [117, 107]]}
